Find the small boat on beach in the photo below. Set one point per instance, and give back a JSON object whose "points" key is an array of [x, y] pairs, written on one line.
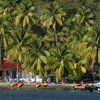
{"points": [[13, 84], [32, 84], [20, 84], [80, 88], [84, 86], [38, 84], [45, 84]]}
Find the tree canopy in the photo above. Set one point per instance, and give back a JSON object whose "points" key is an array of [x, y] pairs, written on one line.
{"points": [[51, 36]]}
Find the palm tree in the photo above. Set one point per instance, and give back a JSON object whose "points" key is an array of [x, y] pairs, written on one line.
{"points": [[53, 18], [58, 61], [4, 28], [3, 43], [25, 15], [17, 45], [0, 49], [82, 22], [37, 57], [18, 48], [80, 60], [83, 17], [93, 39]]}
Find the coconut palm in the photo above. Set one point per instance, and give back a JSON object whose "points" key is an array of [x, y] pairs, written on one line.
{"points": [[93, 40], [3, 42], [50, 40], [53, 18], [57, 62], [25, 16], [81, 58], [37, 58], [84, 17], [4, 28], [17, 47]]}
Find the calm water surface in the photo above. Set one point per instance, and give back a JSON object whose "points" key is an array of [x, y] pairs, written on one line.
{"points": [[47, 94]]}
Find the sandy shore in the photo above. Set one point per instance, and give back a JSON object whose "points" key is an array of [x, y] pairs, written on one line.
{"points": [[28, 85]]}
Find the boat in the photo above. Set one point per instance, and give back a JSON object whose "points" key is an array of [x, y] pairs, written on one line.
{"points": [[38, 84], [20, 84], [13, 84], [84, 86], [79, 87], [33, 84], [45, 84]]}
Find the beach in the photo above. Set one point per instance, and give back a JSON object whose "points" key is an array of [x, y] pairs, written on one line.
{"points": [[28, 85]]}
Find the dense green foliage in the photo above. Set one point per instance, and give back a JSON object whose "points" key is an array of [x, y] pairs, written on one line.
{"points": [[51, 36]]}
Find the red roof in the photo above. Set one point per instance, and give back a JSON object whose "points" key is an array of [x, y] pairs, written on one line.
{"points": [[10, 65]]}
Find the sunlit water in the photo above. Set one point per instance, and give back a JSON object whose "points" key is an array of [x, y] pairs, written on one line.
{"points": [[47, 94]]}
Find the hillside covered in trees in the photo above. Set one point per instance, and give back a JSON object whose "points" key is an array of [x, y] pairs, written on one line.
{"points": [[51, 36]]}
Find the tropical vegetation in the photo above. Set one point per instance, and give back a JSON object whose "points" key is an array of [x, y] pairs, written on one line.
{"points": [[51, 36]]}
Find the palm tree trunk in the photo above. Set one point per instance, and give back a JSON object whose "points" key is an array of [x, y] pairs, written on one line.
{"points": [[0, 54], [56, 39], [0, 50], [96, 58], [17, 73], [93, 62]]}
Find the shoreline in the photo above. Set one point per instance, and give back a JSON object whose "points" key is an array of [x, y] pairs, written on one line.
{"points": [[28, 85], [7, 85]]}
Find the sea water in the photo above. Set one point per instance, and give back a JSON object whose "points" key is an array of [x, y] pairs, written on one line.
{"points": [[47, 94]]}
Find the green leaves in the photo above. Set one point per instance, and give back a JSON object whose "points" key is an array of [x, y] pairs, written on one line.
{"points": [[84, 17], [25, 21], [47, 53], [4, 37], [25, 17], [17, 19], [51, 37], [43, 59], [83, 69], [59, 21], [53, 17]]}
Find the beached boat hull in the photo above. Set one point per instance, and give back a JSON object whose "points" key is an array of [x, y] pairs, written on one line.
{"points": [[20, 84], [13, 84], [45, 85], [38, 85]]}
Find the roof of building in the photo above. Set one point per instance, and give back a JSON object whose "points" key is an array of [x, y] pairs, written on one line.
{"points": [[10, 65]]}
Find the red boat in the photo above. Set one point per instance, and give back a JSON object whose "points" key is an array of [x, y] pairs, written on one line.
{"points": [[20, 84]]}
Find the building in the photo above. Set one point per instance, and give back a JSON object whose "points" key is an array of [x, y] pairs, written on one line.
{"points": [[9, 70]]}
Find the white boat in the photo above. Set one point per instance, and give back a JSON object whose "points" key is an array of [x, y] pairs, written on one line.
{"points": [[79, 87]]}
